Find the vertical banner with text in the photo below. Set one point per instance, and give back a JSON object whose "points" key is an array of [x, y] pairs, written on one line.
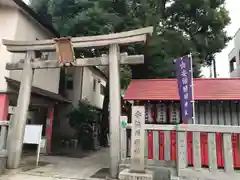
{"points": [[185, 88]]}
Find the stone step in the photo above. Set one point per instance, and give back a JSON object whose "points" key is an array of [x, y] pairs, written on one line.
{"points": [[157, 174]]}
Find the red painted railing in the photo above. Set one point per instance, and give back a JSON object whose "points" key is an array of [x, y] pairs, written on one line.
{"points": [[204, 148]]}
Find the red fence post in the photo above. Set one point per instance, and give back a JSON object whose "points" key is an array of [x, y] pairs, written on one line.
{"points": [[4, 101], [49, 124]]}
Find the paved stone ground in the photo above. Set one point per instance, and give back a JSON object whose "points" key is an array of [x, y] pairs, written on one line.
{"points": [[61, 168], [64, 168]]}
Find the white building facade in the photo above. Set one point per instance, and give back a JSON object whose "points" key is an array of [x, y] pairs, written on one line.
{"points": [[87, 84], [234, 56], [20, 22]]}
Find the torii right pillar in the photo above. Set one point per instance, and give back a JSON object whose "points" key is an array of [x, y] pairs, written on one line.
{"points": [[115, 108]]}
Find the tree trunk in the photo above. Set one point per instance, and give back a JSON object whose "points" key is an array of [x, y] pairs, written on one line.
{"points": [[104, 123]]}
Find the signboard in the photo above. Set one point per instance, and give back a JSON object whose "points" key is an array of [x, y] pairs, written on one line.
{"points": [[184, 78], [123, 121], [33, 135], [137, 146]]}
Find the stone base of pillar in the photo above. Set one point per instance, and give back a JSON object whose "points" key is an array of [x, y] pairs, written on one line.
{"points": [[126, 174], [3, 161]]}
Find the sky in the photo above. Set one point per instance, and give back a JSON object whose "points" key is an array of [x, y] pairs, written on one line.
{"points": [[222, 58]]}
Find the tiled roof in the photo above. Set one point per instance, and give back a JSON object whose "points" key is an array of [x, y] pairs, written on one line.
{"points": [[167, 89]]}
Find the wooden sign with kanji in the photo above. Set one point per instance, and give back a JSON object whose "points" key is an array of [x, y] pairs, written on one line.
{"points": [[64, 50]]}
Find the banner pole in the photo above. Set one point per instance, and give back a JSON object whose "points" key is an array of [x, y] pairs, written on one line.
{"points": [[192, 87]]}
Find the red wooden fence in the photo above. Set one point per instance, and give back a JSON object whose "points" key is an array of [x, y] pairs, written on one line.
{"points": [[204, 148]]}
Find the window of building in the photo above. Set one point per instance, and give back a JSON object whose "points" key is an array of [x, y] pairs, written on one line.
{"points": [[102, 89], [70, 81], [233, 64], [94, 84]]}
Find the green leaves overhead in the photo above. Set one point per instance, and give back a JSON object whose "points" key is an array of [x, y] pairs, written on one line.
{"points": [[180, 27]]}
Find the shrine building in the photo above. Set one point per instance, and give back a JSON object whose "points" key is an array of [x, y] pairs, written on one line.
{"points": [[216, 103]]}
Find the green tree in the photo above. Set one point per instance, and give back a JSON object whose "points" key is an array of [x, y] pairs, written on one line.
{"points": [[180, 27], [83, 119]]}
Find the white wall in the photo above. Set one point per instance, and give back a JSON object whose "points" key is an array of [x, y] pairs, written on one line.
{"points": [[235, 53], [232, 54], [236, 72], [27, 29], [236, 41], [8, 21], [94, 97], [75, 93]]}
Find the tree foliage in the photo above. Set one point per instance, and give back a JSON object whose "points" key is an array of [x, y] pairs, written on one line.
{"points": [[180, 27]]}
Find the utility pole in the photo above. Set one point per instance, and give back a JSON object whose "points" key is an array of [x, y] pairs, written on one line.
{"points": [[214, 68]]}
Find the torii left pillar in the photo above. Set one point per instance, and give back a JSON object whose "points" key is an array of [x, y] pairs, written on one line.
{"points": [[18, 122]]}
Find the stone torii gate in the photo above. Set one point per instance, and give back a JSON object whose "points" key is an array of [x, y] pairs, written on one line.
{"points": [[65, 51]]}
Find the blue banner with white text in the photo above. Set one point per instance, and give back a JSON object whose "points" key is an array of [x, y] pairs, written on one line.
{"points": [[184, 79]]}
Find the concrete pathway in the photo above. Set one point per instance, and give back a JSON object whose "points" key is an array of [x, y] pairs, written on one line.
{"points": [[63, 168]]}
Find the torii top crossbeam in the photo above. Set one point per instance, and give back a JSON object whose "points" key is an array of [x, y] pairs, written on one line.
{"points": [[127, 37]]}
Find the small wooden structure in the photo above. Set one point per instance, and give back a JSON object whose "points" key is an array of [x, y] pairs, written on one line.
{"points": [[212, 142]]}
